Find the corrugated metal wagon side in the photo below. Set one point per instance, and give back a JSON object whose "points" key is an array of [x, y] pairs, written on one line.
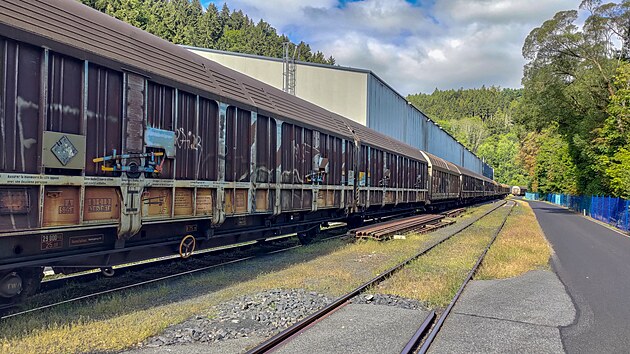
{"points": [[390, 173], [118, 146], [445, 180]]}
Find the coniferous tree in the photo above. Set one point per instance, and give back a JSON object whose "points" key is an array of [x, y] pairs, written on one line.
{"points": [[185, 22], [208, 28]]}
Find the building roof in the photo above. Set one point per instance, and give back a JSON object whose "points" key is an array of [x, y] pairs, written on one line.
{"points": [[327, 66]]}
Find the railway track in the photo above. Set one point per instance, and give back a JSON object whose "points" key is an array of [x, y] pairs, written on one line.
{"points": [[153, 272], [432, 331], [336, 232], [286, 335], [163, 269]]}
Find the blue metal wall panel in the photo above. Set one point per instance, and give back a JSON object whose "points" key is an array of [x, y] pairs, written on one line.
{"points": [[488, 171], [387, 111], [472, 162], [416, 126], [391, 114], [443, 145]]}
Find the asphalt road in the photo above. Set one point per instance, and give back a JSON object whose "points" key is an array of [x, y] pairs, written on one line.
{"points": [[593, 262]]}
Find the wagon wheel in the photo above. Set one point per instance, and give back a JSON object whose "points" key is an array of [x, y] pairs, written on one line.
{"points": [[108, 271], [18, 284], [187, 246], [134, 168]]}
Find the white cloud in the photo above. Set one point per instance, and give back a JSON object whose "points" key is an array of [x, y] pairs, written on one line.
{"points": [[437, 55], [501, 11], [455, 43]]}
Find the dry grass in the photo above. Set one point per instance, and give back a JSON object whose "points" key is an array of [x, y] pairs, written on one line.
{"points": [[435, 277], [88, 334], [121, 320], [520, 247]]}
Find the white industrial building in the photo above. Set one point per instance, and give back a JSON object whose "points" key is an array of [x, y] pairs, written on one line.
{"points": [[357, 94]]}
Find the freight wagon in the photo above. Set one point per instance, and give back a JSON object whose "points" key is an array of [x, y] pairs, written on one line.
{"points": [[117, 146]]}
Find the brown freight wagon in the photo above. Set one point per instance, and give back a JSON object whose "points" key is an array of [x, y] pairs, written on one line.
{"points": [[117, 146]]}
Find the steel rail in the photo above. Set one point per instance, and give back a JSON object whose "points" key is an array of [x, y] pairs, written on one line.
{"points": [[424, 327], [54, 284], [438, 325], [146, 282], [281, 337]]}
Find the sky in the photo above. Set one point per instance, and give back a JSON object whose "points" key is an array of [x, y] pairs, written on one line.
{"points": [[414, 45]]}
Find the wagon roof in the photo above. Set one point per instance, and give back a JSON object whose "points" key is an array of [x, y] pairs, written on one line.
{"points": [[374, 138], [441, 164], [89, 34]]}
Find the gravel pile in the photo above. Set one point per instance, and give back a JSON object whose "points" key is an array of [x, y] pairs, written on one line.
{"points": [[262, 315], [389, 300]]}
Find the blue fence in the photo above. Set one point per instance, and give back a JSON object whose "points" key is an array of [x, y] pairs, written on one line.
{"points": [[613, 211], [534, 196]]}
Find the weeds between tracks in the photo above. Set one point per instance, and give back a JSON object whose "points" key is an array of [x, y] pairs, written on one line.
{"points": [[435, 277]]}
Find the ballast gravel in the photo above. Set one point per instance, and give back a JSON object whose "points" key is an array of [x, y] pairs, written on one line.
{"points": [[261, 315]]}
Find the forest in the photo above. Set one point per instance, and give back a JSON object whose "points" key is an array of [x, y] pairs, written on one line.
{"points": [[568, 129], [483, 120], [186, 22]]}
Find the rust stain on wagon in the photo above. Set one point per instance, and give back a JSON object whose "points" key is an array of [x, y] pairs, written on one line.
{"points": [[61, 206], [262, 200], [101, 203], [183, 201], [236, 201], [157, 202], [17, 210], [204, 201], [14, 201]]}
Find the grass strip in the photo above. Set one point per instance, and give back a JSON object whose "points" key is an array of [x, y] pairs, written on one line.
{"points": [[435, 277], [519, 248]]}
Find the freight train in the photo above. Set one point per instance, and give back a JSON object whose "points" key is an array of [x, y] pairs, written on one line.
{"points": [[117, 146]]}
